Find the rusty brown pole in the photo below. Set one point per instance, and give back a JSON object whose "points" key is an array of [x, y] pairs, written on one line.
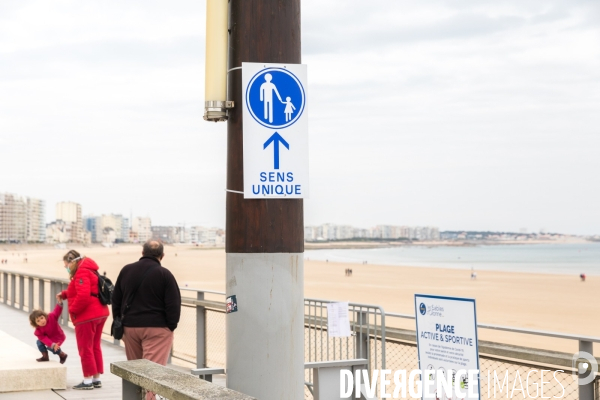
{"points": [[265, 238]]}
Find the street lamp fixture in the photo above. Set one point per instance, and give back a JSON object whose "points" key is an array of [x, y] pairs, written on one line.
{"points": [[215, 79]]}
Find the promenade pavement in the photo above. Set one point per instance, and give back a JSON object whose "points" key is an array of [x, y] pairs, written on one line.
{"points": [[16, 323]]}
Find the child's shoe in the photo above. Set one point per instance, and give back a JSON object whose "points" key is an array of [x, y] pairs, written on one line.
{"points": [[44, 357], [63, 357]]}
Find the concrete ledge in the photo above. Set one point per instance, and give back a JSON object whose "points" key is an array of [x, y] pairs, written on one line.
{"points": [[171, 384], [20, 372]]}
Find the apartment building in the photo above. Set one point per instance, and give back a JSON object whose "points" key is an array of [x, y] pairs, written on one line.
{"points": [[141, 229], [166, 234], [70, 213], [108, 228], [89, 224], [22, 219]]}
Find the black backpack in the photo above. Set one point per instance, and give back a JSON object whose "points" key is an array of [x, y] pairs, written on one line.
{"points": [[105, 289]]}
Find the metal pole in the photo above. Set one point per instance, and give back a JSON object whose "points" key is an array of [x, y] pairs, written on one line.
{"points": [[4, 287], [265, 238], [30, 295], [65, 311], [200, 333], [41, 294], [13, 289], [361, 344], [586, 392], [21, 291], [52, 295]]}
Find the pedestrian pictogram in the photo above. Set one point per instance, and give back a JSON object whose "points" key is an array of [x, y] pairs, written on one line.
{"points": [[275, 98]]}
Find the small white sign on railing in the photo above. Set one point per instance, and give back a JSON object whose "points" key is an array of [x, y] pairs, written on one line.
{"points": [[338, 324]]}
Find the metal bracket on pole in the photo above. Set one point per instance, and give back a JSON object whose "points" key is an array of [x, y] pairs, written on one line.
{"points": [[234, 191], [217, 110]]}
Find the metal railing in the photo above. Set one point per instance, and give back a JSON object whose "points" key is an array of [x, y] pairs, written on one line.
{"points": [[33, 292], [502, 359], [367, 340], [199, 341]]}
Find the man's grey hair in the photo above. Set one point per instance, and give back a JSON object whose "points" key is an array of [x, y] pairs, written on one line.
{"points": [[153, 248]]}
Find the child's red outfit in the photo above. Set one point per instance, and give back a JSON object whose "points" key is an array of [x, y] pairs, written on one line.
{"points": [[88, 315], [51, 333]]}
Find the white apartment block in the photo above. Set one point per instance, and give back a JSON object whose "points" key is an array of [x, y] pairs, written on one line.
{"points": [[142, 229], [70, 213], [22, 219], [203, 235], [59, 232], [312, 233]]}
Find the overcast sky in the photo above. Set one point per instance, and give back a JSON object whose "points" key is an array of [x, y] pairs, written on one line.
{"points": [[479, 115]]}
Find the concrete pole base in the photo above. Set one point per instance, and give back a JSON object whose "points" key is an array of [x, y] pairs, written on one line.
{"points": [[265, 336]]}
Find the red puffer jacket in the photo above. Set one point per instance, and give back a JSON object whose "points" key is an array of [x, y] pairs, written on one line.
{"points": [[83, 305]]}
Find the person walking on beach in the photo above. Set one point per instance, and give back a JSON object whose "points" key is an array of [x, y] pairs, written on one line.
{"points": [[147, 298], [88, 315]]}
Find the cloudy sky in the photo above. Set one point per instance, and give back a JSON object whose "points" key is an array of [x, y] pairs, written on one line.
{"points": [[480, 115]]}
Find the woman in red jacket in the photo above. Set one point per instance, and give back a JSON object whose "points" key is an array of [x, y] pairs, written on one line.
{"points": [[87, 314]]}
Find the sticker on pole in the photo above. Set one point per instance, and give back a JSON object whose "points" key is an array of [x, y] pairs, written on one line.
{"points": [[275, 131], [231, 304]]}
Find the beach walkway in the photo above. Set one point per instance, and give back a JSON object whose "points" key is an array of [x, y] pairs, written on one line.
{"points": [[16, 323]]}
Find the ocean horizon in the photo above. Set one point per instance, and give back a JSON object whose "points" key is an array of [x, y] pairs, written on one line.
{"points": [[551, 258]]}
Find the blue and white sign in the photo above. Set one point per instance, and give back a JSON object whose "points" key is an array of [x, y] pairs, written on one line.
{"points": [[275, 131], [447, 346]]}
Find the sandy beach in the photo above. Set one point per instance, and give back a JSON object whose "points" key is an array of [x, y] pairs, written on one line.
{"points": [[534, 301]]}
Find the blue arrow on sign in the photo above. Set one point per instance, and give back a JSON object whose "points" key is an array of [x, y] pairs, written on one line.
{"points": [[276, 139]]}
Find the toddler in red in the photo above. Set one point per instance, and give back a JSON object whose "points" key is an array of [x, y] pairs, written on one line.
{"points": [[49, 333]]}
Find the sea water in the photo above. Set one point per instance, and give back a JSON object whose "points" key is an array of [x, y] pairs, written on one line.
{"points": [[552, 258]]}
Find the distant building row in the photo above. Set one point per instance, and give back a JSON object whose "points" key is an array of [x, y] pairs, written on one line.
{"points": [[345, 232], [499, 236], [115, 228], [22, 219]]}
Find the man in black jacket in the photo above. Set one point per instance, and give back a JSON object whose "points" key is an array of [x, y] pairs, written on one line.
{"points": [[147, 297]]}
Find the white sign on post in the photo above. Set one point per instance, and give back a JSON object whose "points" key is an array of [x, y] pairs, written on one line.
{"points": [[275, 131], [447, 346]]}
